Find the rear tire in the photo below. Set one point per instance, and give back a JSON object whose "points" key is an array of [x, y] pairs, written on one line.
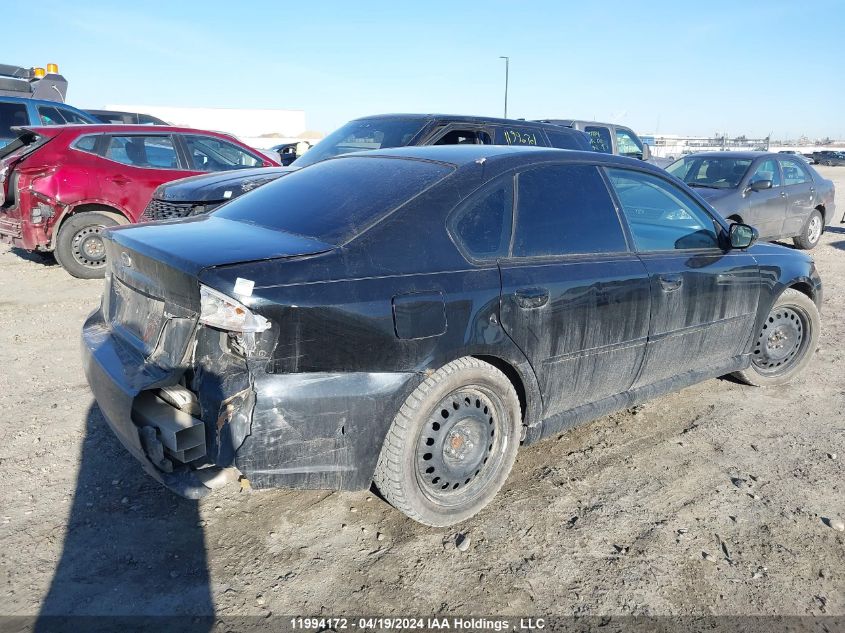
{"points": [[79, 246], [811, 233], [786, 342], [452, 444]]}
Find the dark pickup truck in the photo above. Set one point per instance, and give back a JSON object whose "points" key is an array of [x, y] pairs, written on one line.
{"points": [[200, 194]]}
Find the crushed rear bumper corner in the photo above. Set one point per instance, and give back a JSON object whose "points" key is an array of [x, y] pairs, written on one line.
{"points": [[116, 378]]}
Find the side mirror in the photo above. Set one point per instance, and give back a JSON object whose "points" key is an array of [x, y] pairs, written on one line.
{"points": [[760, 185], [646, 151], [742, 235]]}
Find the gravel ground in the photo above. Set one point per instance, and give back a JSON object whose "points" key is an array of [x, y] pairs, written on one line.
{"points": [[712, 500]]}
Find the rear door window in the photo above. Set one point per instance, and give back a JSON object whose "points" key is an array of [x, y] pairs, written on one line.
{"points": [[70, 116], [465, 137], [11, 115], [515, 135], [50, 115], [794, 172], [209, 153], [152, 152], [600, 138], [565, 210]]}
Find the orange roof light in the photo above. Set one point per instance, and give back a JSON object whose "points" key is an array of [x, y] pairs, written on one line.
{"points": [[38, 72], [53, 69]]}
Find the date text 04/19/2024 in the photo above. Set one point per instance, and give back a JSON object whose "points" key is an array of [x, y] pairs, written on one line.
{"points": [[416, 624]]}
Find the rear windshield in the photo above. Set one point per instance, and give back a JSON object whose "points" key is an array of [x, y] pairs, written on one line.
{"points": [[357, 136], [26, 142], [335, 200]]}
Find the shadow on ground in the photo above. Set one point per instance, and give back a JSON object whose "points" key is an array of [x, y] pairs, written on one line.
{"points": [[46, 259], [132, 548]]}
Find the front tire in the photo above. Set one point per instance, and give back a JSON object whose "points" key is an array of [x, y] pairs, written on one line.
{"points": [[786, 342], [452, 444], [79, 245], [811, 233]]}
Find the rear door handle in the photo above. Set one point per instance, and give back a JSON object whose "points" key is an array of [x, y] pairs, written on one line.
{"points": [[530, 298], [119, 180], [783, 194], [670, 283]]}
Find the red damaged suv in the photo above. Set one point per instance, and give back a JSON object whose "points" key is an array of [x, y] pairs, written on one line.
{"points": [[61, 185]]}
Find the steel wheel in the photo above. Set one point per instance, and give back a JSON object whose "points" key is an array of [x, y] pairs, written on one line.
{"points": [[452, 443], [782, 341], [88, 248], [457, 443]]}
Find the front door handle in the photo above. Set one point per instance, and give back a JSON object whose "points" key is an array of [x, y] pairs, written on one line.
{"points": [[670, 283], [531, 298], [119, 180], [783, 194]]}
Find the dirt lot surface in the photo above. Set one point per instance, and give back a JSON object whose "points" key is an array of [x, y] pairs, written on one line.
{"points": [[707, 501]]}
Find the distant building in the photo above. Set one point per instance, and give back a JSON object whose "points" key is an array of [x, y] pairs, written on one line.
{"points": [[260, 128]]}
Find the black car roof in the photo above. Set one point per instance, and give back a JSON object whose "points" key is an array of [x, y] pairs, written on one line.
{"points": [[460, 155], [462, 118]]}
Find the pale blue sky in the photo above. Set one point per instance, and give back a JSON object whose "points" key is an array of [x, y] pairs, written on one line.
{"points": [[672, 67]]}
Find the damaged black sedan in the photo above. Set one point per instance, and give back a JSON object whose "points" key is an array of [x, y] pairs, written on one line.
{"points": [[410, 317]]}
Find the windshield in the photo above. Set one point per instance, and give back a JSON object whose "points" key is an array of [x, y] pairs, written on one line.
{"points": [[710, 172], [356, 136], [337, 199]]}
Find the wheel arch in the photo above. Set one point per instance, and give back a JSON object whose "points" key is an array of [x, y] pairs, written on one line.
{"points": [[526, 387], [113, 212]]}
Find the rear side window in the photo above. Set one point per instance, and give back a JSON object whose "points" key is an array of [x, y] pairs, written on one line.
{"points": [[11, 115], [86, 143], [564, 140], [482, 223], [154, 152], [564, 210], [335, 200], [600, 138]]}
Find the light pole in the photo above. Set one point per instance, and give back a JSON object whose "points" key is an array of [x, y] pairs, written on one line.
{"points": [[507, 64]]}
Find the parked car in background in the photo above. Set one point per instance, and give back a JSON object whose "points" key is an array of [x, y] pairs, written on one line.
{"points": [[288, 152], [804, 157], [779, 194], [61, 186], [21, 112], [830, 158], [125, 118], [202, 194], [411, 316], [610, 138]]}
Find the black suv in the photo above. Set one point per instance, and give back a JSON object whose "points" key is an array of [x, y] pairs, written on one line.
{"points": [[200, 194]]}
